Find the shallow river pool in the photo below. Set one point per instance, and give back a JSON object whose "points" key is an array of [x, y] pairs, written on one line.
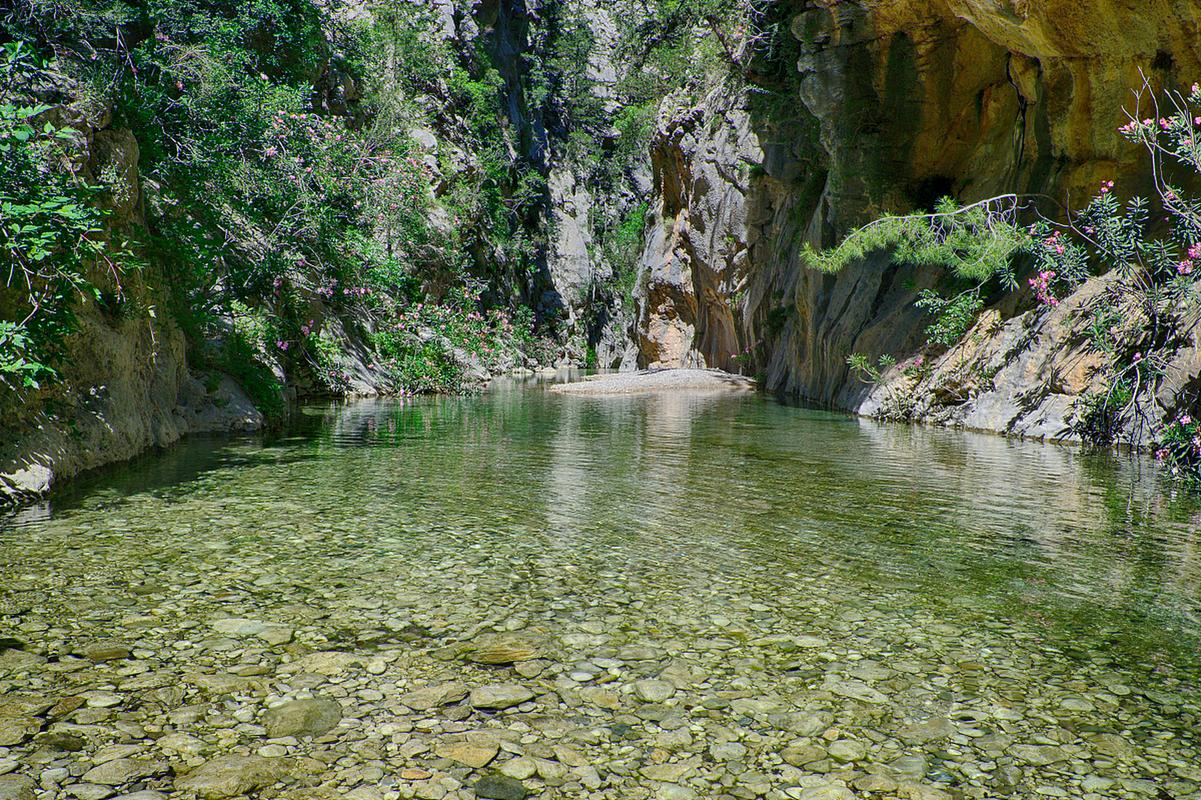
{"points": [[524, 594]]}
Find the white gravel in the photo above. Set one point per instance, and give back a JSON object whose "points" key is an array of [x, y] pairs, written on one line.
{"points": [[660, 380]]}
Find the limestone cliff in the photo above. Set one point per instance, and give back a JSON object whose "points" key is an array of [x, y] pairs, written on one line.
{"points": [[884, 106]]}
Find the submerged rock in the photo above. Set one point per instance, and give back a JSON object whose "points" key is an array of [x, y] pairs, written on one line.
{"points": [[476, 753], [124, 770], [500, 696], [501, 649], [500, 787], [231, 776], [17, 787], [309, 717], [429, 697]]}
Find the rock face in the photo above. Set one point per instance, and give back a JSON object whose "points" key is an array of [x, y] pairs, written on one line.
{"points": [[692, 267], [887, 106]]}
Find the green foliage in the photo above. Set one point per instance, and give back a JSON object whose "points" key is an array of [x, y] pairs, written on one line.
{"points": [[863, 368], [562, 48], [418, 367], [18, 363], [1153, 248], [271, 194], [429, 347], [622, 248], [1099, 415], [327, 362], [243, 361], [974, 243], [52, 236], [953, 317], [1180, 448]]}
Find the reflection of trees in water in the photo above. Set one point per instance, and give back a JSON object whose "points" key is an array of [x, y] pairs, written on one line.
{"points": [[1084, 543], [617, 481], [695, 496], [677, 484]]}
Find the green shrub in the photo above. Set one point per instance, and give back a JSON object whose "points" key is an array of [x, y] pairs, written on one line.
{"points": [[52, 231], [974, 243], [239, 358]]}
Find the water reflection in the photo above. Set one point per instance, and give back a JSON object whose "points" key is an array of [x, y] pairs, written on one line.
{"points": [[879, 574]]}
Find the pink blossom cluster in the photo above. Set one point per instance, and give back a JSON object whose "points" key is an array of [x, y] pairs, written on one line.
{"points": [[1054, 242], [1106, 187], [1189, 264], [1042, 288]]}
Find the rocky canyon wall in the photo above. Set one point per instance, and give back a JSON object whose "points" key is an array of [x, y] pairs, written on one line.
{"points": [[882, 106]]}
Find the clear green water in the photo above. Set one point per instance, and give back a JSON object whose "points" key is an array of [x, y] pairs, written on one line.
{"points": [[842, 608]]}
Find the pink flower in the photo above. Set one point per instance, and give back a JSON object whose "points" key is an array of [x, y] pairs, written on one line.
{"points": [[271, 152], [1138, 357], [1184, 267], [1186, 420], [281, 344], [1161, 454]]}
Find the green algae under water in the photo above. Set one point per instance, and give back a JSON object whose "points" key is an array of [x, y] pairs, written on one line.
{"points": [[840, 608]]}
